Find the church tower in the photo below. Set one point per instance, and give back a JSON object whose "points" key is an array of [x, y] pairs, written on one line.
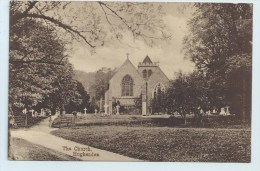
{"points": [[147, 68]]}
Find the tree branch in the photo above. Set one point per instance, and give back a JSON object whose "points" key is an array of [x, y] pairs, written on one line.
{"points": [[14, 19], [35, 61], [31, 5]]}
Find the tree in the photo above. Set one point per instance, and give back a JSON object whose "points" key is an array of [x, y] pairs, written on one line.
{"points": [[220, 37], [39, 34], [85, 103], [187, 93], [142, 20], [214, 35], [34, 50], [101, 83]]}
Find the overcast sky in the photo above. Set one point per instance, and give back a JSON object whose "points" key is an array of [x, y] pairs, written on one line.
{"points": [[169, 53]]}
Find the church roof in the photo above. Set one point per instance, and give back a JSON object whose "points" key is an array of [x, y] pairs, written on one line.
{"points": [[147, 60]]}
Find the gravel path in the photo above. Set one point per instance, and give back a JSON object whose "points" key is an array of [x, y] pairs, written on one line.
{"points": [[40, 135]]}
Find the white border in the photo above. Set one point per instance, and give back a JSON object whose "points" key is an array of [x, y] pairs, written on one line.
{"points": [[6, 165]]}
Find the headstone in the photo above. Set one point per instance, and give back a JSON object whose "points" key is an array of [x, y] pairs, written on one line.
{"points": [[85, 110], [214, 111], [176, 113], [209, 113], [32, 112], [201, 111], [227, 111], [25, 111], [42, 112], [222, 111], [106, 107], [95, 111], [117, 109]]}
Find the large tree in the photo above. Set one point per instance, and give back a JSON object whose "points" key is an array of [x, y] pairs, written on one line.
{"points": [[95, 22], [187, 93], [35, 55], [79, 106], [220, 40]]}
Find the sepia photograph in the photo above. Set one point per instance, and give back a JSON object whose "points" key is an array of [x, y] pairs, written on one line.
{"points": [[130, 81]]}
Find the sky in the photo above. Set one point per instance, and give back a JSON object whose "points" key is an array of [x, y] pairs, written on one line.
{"points": [[169, 54]]}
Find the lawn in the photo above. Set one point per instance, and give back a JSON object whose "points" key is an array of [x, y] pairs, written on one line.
{"points": [[154, 121], [165, 143], [24, 150]]}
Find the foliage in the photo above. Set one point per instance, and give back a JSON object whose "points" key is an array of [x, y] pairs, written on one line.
{"points": [[101, 83], [220, 45], [39, 32], [32, 64], [142, 20], [214, 35], [74, 106], [187, 93], [138, 104]]}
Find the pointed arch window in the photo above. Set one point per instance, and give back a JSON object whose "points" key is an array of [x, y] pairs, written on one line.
{"points": [[159, 91], [149, 73], [127, 86], [145, 74]]}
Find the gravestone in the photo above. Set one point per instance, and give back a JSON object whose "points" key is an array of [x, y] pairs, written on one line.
{"points": [[222, 111], [117, 109], [95, 111], [201, 111], [214, 112], [25, 111], [209, 113], [106, 108], [32, 112], [176, 113], [85, 110], [227, 111], [42, 112]]}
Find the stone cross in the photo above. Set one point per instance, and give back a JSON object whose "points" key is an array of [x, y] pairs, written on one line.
{"points": [[85, 111], [32, 112], [227, 111], [106, 107], [24, 111], [117, 109]]}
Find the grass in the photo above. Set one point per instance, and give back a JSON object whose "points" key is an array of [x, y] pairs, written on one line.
{"points": [[138, 120], [166, 144], [23, 150]]}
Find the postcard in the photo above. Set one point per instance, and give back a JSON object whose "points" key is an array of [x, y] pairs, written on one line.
{"points": [[130, 81]]}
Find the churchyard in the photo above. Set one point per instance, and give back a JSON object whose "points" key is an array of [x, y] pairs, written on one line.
{"points": [[155, 143], [152, 138], [195, 110]]}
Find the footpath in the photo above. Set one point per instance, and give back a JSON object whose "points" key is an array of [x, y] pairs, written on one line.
{"points": [[40, 135]]}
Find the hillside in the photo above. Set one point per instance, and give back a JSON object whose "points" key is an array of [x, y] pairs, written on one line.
{"points": [[86, 78]]}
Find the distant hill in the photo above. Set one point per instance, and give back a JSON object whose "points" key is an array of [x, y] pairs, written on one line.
{"points": [[86, 78]]}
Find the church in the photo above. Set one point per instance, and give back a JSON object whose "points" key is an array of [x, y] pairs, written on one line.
{"points": [[136, 89]]}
